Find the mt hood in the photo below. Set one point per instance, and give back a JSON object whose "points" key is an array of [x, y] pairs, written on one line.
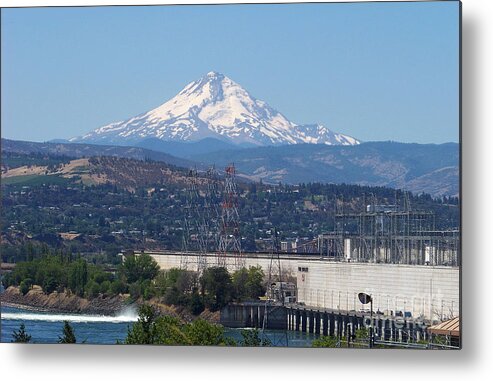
{"points": [[215, 107]]}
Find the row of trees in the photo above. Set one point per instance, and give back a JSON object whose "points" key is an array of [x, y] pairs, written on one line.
{"points": [[213, 290], [140, 277], [65, 273]]}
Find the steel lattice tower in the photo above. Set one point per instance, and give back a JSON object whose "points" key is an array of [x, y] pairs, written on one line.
{"points": [[191, 220], [211, 211], [229, 241], [272, 305], [209, 217]]}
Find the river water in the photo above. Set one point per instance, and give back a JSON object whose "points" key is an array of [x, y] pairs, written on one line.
{"points": [[46, 327]]}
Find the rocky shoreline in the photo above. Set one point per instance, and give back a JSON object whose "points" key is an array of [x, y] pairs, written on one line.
{"points": [[36, 300]]}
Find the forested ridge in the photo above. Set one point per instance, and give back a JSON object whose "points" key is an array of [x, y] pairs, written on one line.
{"points": [[107, 217]]}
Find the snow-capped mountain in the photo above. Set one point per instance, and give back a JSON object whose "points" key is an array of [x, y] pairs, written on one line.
{"points": [[215, 106]]}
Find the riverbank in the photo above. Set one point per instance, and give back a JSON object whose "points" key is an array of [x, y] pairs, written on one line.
{"points": [[62, 302]]}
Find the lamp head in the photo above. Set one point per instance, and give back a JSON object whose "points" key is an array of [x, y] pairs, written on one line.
{"points": [[364, 298]]}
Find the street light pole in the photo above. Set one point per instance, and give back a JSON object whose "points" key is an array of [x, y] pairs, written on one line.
{"points": [[371, 322], [365, 299]]}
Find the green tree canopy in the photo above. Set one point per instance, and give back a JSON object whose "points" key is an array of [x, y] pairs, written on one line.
{"points": [[166, 330], [248, 283], [77, 277], [217, 287], [137, 268], [252, 338]]}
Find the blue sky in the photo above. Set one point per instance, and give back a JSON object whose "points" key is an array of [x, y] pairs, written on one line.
{"points": [[375, 71]]}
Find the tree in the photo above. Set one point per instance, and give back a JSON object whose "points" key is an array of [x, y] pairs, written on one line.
{"points": [[153, 329], [248, 284], [25, 286], [217, 287], [134, 290], [147, 289], [50, 284], [166, 330], [240, 280], [196, 304], [21, 335], [105, 287], [251, 338], [176, 286], [117, 287], [143, 331], [77, 278], [68, 335], [138, 268], [255, 286], [92, 289], [201, 332]]}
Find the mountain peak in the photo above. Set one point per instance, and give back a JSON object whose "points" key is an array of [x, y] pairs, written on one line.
{"points": [[214, 74], [215, 106]]}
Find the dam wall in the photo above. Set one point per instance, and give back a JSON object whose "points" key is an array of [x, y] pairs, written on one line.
{"points": [[422, 291], [428, 292]]}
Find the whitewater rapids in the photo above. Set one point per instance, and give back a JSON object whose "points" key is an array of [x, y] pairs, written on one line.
{"points": [[125, 317]]}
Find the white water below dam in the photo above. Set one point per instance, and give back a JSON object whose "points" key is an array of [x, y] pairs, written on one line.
{"points": [[36, 316]]}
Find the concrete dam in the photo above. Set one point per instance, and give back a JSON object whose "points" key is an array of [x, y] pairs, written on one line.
{"points": [[418, 291]]}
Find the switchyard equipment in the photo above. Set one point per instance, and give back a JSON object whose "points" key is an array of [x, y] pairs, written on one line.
{"points": [[390, 234]]}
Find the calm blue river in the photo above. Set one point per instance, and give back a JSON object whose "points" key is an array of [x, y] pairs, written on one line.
{"points": [[46, 327]]}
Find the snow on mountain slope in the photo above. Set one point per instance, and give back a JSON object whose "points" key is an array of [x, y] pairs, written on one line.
{"points": [[215, 106]]}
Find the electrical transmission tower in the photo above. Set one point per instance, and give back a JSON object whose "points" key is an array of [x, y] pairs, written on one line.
{"points": [[229, 241], [274, 303], [191, 220], [212, 213], [208, 229]]}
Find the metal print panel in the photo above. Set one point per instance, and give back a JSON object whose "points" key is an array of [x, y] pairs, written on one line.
{"points": [[234, 175]]}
